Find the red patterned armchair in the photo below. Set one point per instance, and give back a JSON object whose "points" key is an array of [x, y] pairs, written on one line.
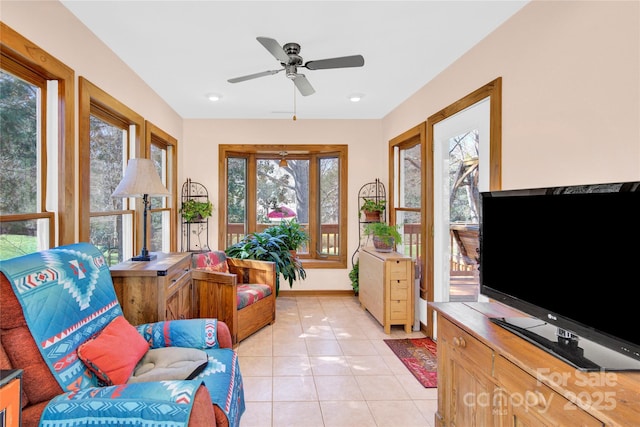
{"points": [[60, 322], [239, 292]]}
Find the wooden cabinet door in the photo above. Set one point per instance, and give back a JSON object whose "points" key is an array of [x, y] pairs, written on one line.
{"points": [[179, 303], [466, 393]]}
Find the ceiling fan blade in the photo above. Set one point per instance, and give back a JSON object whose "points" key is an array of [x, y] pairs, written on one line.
{"points": [[254, 76], [341, 62], [303, 85], [274, 48]]}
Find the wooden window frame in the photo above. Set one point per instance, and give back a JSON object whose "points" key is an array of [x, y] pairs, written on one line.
{"points": [[95, 101], [18, 50], [250, 152]]}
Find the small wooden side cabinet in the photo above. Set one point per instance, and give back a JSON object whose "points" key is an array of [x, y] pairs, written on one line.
{"points": [[10, 397], [386, 287], [150, 291], [488, 376]]}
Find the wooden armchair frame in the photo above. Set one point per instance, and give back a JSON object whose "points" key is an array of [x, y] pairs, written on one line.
{"points": [[216, 296]]}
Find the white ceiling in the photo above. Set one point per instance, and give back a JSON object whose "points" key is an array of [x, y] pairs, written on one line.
{"points": [[187, 49]]}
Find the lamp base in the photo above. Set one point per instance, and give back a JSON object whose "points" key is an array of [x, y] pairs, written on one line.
{"points": [[149, 257]]}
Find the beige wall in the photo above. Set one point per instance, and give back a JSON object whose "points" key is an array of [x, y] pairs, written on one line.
{"points": [[367, 161], [571, 101], [570, 92]]}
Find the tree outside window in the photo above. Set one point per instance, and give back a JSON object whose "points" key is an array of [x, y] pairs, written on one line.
{"points": [[308, 188]]}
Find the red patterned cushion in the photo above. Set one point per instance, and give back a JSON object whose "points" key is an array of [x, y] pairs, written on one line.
{"points": [[212, 261], [248, 294], [114, 352]]}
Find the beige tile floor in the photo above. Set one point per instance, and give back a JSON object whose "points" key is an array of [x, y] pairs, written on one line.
{"points": [[324, 363]]}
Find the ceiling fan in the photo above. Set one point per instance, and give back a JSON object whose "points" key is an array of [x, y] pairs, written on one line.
{"points": [[289, 58]]}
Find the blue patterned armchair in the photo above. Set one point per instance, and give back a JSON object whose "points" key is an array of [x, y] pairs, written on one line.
{"points": [[57, 301]]}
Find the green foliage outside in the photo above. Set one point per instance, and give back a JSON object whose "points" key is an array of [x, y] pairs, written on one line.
{"points": [[13, 245]]}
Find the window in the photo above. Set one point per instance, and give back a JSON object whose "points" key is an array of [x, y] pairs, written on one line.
{"points": [[109, 137], [163, 152], [406, 194], [260, 185], [36, 142]]}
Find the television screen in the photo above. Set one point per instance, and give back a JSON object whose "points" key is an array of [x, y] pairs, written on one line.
{"points": [[568, 257]]}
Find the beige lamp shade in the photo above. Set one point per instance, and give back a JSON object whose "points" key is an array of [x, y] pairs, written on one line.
{"points": [[140, 178]]}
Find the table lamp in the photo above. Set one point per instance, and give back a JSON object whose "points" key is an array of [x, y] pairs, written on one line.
{"points": [[141, 180]]}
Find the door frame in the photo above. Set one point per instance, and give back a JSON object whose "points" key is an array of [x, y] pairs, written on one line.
{"points": [[493, 91]]}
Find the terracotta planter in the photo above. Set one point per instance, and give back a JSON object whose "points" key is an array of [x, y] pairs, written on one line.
{"points": [[372, 216]]}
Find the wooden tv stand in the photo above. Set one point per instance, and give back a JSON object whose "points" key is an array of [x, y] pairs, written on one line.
{"points": [[488, 376]]}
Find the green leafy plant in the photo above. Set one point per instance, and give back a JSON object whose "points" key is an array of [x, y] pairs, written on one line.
{"points": [[266, 247], [193, 210], [371, 205], [384, 233], [291, 232], [354, 276]]}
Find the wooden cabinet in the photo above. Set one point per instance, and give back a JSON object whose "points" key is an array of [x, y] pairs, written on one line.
{"points": [[466, 367], [150, 291], [10, 397], [488, 376], [386, 287]]}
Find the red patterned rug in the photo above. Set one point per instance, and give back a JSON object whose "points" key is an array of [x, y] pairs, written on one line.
{"points": [[419, 356]]}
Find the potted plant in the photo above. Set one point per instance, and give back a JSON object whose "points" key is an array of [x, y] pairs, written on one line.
{"points": [[385, 236], [354, 277], [372, 209], [194, 210], [291, 232], [266, 247]]}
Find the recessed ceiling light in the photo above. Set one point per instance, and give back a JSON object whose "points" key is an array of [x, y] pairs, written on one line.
{"points": [[356, 97], [214, 97]]}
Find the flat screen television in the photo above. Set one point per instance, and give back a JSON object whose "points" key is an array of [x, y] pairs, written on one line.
{"points": [[568, 257]]}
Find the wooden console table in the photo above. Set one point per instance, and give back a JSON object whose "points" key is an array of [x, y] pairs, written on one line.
{"points": [[488, 376], [150, 291]]}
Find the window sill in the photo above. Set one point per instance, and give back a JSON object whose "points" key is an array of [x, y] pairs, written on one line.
{"points": [[309, 263]]}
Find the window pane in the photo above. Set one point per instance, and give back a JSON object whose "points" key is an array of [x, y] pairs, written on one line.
{"points": [[19, 146], [329, 205], [463, 177], [108, 232], [159, 157], [410, 229], [236, 199], [107, 147], [410, 177], [159, 241], [23, 237], [283, 192]]}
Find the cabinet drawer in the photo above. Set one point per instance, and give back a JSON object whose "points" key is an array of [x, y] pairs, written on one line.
{"points": [[536, 398], [399, 290], [398, 270], [460, 343], [398, 310], [175, 272], [177, 281]]}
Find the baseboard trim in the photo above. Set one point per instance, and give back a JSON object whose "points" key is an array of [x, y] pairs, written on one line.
{"points": [[316, 293]]}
